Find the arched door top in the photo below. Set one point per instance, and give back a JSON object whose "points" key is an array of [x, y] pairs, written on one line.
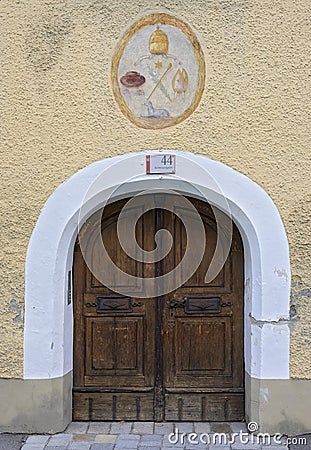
{"points": [[48, 316]]}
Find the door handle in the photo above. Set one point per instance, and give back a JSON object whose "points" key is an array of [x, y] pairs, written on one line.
{"points": [[113, 304], [176, 303], [199, 304], [226, 304]]}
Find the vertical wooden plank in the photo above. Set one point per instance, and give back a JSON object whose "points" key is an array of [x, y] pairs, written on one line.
{"points": [[78, 327]]}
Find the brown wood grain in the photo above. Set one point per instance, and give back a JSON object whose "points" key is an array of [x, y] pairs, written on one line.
{"points": [[157, 361]]}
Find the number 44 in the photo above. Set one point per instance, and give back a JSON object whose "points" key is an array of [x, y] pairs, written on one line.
{"points": [[167, 160]]}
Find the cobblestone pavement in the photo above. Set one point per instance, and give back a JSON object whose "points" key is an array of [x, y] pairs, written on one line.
{"points": [[148, 436], [9, 441]]}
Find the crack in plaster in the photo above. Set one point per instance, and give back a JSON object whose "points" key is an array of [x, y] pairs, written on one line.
{"points": [[261, 323]]}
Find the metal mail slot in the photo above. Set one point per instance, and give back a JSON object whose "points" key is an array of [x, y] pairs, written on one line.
{"points": [[115, 304], [203, 305]]}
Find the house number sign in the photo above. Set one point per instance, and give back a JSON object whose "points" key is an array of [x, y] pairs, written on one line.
{"points": [[160, 163]]}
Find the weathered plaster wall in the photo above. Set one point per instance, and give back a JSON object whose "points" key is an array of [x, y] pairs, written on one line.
{"points": [[60, 115]]}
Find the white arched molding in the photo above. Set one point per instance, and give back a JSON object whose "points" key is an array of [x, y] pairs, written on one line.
{"points": [[49, 319]]}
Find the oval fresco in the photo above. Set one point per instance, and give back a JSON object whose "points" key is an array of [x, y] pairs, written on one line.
{"points": [[158, 72]]}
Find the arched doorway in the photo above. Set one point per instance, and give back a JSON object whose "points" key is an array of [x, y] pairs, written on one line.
{"points": [[48, 332], [178, 356]]}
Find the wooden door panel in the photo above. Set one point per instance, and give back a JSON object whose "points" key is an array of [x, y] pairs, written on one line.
{"points": [[118, 257], [205, 407], [198, 338], [200, 352], [116, 346], [196, 283], [109, 406], [129, 340]]}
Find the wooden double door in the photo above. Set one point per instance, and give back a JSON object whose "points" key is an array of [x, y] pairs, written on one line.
{"points": [[176, 357]]}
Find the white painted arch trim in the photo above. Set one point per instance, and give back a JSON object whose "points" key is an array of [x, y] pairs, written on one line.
{"points": [[48, 340]]}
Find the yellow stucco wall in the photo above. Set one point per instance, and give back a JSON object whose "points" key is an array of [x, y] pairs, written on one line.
{"points": [[59, 115]]}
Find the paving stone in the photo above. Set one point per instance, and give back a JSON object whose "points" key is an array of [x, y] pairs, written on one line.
{"points": [[121, 427], [10, 441], [99, 428], [238, 426], [284, 441], [179, 437], [77, 427], [278, 447], [184, 427], [243, 438], [171, 442], [105, 438], [219, 447], [37, 439], [163, 428], [33, 447], [266, 444], [220, 427], [195, 444], [128, 437], [102, 447], [143, 427], [149, 448], [297, 444], [126, 445], [83, 437], [202, 427], [56, 448], [59, 440], [241, 446], [172, 447], [150, 440], [218, 440], [62, 435], [57, 443], [79, 445], [196, 447], [249, 442]]}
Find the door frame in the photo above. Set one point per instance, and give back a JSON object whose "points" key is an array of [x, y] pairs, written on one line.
{"points": [[49, 318]]}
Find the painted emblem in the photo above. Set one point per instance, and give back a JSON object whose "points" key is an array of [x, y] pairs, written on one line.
{"points": [[158, 72]]}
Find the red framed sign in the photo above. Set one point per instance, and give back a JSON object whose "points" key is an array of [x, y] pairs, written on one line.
{"points": [[161, 163]]}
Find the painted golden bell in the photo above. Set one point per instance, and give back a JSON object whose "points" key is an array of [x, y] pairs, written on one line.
{"points": [[158, 43]]}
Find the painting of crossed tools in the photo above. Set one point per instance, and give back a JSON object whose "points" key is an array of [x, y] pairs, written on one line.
{"points": [[158, 72]]}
